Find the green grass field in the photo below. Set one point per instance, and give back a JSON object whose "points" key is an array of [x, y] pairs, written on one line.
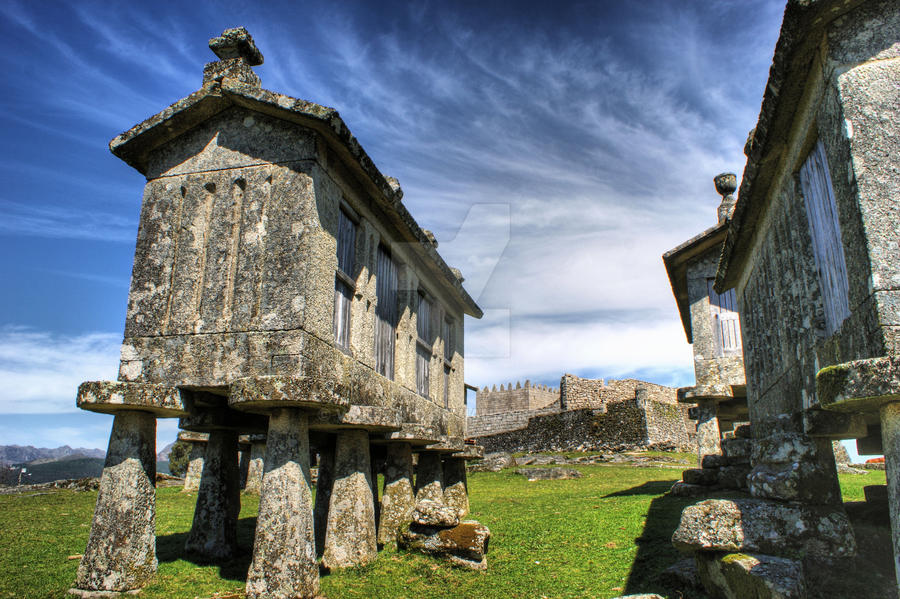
{"points": [[603, 535]]}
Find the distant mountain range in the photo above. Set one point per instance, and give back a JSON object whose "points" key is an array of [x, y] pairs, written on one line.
{"points": [[163, 455], [20, 454]]}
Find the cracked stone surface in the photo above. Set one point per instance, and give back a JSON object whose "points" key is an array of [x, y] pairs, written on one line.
{"points": [[397, 498], [350, 532], [284, 553], [121, 550]]}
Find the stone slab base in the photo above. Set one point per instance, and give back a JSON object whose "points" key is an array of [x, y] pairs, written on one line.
{"points": [[740, 576]]}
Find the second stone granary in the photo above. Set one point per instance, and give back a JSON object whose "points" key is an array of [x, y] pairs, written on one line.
{"points": [[812, 254], [712, 325], [280, 286]]}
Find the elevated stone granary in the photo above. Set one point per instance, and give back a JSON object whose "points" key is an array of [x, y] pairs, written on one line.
{"points": [[711, 324], [812, 254], [280, 287]]}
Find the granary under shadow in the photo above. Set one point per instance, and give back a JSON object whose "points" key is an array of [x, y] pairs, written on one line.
{"points": [[812, 255], [280, 287]]}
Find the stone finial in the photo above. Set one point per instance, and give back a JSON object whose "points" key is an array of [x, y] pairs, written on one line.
{"points": [[236, 43], [431, 237], [237, 54], [726, 184], [458, 274]]}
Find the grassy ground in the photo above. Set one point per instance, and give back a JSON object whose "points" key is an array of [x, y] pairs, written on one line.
{"points": [[603, 535]]}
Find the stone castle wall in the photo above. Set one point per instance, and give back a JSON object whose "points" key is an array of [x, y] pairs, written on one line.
{"points": [[522, 398], [589, 414]]}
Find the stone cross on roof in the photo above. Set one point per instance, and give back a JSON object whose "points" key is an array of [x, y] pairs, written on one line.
{"points": [[236, 43]]}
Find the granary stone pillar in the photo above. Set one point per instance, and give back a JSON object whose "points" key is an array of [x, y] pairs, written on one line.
{"points": [[397, 497], [871, 387], [284, 551], [430, 477], [456, 494], [213, 533], [350, 531], [257, 460], [284, 548], [398, 494], [709, 436], [323, 491], [195, 458], [121, 550], [243, 459], [890, 441]]}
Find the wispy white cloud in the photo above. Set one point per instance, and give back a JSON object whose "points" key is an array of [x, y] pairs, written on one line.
{"points": [[40, 371], [66, 222]]}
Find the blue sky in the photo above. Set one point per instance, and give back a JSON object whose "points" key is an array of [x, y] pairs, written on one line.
{"points": [[555, 149]]}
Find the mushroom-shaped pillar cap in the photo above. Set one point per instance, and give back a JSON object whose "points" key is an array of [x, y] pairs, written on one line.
{"points": [[109, 397], [266, 393]]}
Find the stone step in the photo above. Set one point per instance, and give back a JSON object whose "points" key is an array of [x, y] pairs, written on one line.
{"points": [[751, 575], [737, 450], [701, 476], [683, 489], [713, 461], [764, 526]]}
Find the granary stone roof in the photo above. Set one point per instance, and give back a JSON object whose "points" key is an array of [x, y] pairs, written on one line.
{"points": [[801, 33], [676, 261], [134, 146]]}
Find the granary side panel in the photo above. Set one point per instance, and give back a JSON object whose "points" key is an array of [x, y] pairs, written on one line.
{"points": [[717, 353], [787, 339], [338, 191]]}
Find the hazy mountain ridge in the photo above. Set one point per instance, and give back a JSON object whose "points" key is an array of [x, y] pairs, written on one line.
{"points": [[20, 454]]}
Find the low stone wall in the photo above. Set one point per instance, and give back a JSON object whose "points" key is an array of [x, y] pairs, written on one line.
{"points": [[479, 426], [621, 424]]}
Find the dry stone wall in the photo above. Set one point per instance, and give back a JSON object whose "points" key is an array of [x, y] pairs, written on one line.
{"points": [[590, 414]]}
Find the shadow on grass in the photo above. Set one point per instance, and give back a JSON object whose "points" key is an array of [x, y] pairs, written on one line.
{"points": [[651, 487], [170, 548], [655, 552]]}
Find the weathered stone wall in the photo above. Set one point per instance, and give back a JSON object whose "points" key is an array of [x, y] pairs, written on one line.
{"points": [[638, 412], [489, 424], [622, 424], [519, 399], [577, 393]]}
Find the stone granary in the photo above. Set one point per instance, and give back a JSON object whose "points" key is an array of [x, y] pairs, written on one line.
{"points": [[812, 253], [280, 286], [711, 323]]}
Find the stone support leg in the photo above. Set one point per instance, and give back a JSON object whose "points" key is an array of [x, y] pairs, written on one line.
{"points": [[244, 467], [213, 533], [121, 550], [890, 440], [397, 498], [708, 433], [255, 468], [456, 491], [284, 551], [429, 477], [195, 467], [350, 532], [323, 493]]}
